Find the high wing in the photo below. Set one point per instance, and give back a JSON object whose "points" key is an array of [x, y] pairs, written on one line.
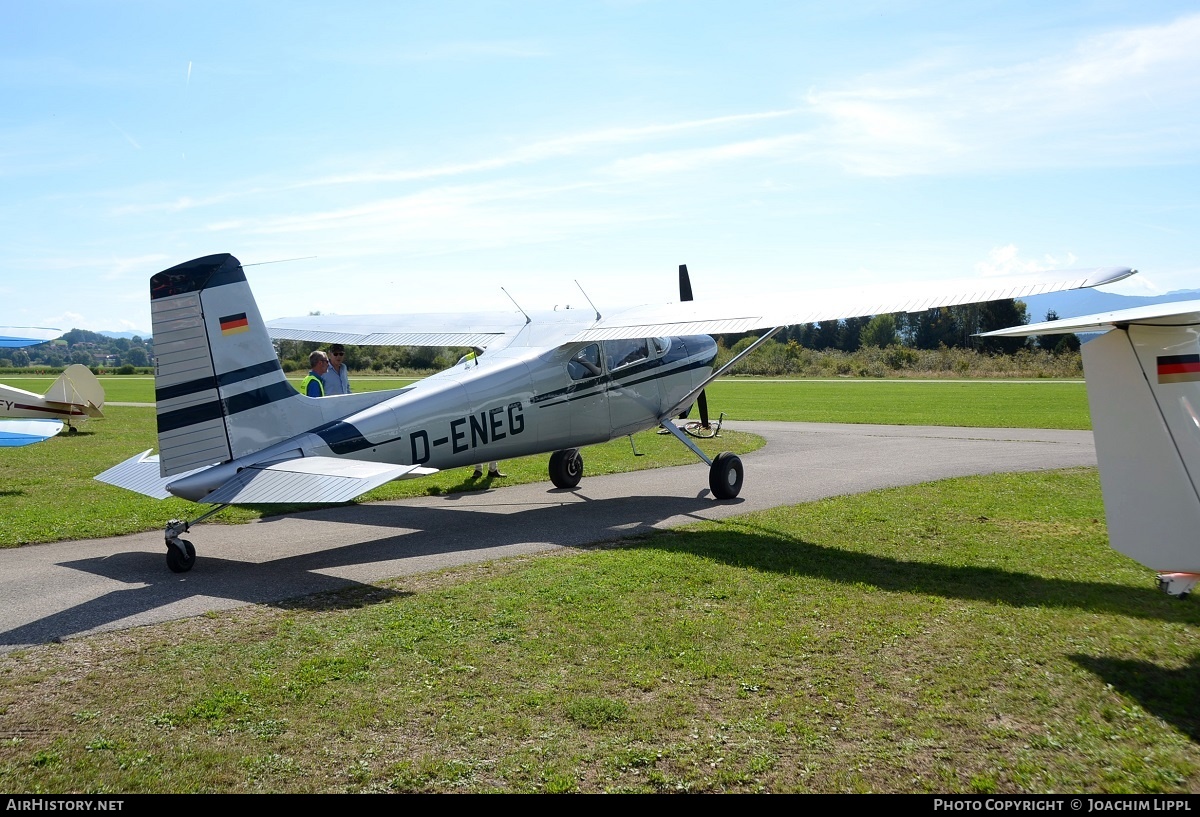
{"points": [[725, 316], [14, 337], [731, 315], [478, 329]]}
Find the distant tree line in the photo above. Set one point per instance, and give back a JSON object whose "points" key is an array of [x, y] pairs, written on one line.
{"points": [[899, 341], [952, 327], [91, 349]]}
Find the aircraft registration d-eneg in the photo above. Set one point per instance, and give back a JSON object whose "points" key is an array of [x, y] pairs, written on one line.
{"points": [[233, 430]]}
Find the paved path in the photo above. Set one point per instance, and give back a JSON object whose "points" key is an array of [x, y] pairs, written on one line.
{"points": [[66, 589]]}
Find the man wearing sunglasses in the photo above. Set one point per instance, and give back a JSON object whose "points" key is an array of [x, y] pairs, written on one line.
{"points": [[336, 377]]}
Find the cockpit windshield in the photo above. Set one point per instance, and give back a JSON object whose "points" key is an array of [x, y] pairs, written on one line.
{"points": [[585, 363]]}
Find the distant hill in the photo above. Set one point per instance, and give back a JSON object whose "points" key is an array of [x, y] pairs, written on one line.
{"points": [[1088, 301], [126, 335]]}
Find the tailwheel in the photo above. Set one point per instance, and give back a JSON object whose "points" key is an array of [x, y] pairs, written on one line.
{"points": [[180, 555], [566, 468], [725, 475]]}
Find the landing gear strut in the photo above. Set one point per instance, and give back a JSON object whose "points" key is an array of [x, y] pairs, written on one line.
{"points": [[181, 555], [724, 472]]}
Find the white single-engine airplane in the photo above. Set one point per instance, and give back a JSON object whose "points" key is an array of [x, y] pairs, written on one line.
{"points": [[233, 430], [27, 418], [1143, 384], [76, 395]]}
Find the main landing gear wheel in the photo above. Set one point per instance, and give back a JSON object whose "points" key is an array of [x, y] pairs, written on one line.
{"points": [[566, 468], [725, 475], [180, 561]]}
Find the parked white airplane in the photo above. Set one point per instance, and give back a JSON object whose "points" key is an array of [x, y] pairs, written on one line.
{"points": [[1143, 385], [231, 429], [74, 397]]}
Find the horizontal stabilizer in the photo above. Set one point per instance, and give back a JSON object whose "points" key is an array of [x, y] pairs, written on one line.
{"points": [[1172, 313], [15, 433], [140, 473], [310, 480]]}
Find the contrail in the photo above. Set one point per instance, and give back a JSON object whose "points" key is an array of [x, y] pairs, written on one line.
{"points": [[189, 75]]}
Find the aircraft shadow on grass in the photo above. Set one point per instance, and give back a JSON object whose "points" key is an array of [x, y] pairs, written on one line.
{"points": [[442, 530], [1169, 694], [427, 532]]}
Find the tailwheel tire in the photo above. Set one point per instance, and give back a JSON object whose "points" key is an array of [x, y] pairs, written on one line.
{"points": [[725, 475], [178, 562], [566, 468]]}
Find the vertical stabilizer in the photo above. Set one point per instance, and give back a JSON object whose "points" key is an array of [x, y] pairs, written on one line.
{"points": [[220, 391], [1143, 386]]}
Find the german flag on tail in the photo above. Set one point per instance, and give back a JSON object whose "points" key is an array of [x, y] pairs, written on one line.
{"points": [[1178, 368], [236, 324]]}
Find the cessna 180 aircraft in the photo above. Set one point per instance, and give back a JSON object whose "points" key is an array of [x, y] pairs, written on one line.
{"points": [[1143, 385], [231, 429]]}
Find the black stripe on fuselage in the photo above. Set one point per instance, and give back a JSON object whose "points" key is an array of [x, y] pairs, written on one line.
{"points": [[621, 380], [344, 438]]}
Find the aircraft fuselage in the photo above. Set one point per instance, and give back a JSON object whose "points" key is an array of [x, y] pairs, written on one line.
{"points": [[517, 401]]}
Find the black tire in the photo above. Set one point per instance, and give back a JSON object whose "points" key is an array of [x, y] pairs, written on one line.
{"points": [[566, 468], [725, 476], [176, 561]]}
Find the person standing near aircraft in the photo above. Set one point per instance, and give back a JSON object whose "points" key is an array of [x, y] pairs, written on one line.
{"points": [[472, 356], [337, 377], [313, 385], [493, 471]]}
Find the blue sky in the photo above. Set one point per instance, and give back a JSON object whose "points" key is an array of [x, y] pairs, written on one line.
{"points": [[419, 156]]}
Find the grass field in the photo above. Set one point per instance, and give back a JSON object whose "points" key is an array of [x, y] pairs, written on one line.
{"points": [[973, 635]]}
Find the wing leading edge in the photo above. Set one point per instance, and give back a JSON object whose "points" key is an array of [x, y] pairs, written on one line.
{"points": [[708, 317]]}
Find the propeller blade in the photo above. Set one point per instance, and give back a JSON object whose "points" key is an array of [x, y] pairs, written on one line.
{"points": [[685, 294], [685, 284]]}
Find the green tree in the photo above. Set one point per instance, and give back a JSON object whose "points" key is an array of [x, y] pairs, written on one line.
{"points": [[880, 332], [1001, 315], [136, 356]]}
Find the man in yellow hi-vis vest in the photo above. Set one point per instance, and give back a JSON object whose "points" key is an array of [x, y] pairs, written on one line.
{"points": [[312, 385]]}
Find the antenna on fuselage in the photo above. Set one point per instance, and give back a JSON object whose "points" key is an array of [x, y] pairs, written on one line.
{"points": [[517, 305], [589, 300]]}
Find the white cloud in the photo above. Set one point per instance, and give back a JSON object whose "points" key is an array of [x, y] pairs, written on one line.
{"points": [[1125, 96]]}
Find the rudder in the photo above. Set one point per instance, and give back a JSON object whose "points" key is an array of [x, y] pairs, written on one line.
{"points": [[219, 388]]}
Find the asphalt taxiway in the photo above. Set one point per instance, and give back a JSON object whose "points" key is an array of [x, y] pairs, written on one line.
{"points": [[67, 589]]}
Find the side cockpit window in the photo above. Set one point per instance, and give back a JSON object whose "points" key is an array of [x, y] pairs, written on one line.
{"points": [[585, 363], [621, 353]]}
